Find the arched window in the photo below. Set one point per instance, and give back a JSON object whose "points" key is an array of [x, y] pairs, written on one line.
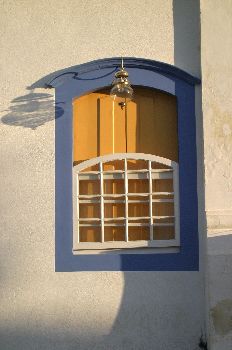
{"points": [[131, 173]]}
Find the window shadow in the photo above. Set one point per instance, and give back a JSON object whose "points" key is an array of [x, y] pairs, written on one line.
{"points": [[187, 55], [157, 311], [219, 268], [187, 41]]}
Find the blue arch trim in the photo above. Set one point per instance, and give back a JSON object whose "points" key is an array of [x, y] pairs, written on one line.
{"points": [[130, 62], [146, 73]]}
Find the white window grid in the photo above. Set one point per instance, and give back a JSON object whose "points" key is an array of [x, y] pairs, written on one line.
{"points": [[80, 174]]}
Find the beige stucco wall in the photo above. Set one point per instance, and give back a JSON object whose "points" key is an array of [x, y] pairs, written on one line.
{"points": [[217, 101], [43, 309], [216, 26]]}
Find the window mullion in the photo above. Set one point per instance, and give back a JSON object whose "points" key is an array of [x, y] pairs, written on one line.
{"points": [[150, 201], [126, 199], [77, 208], [102, 201], [176, 203]]}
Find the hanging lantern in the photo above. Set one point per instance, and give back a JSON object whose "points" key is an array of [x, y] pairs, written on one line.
{"points": [[121, 87]]}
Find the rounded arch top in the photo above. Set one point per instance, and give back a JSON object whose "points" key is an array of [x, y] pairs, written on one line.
{"points": [[98, 69]]}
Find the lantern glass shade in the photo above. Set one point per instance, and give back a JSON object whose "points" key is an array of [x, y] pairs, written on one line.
{"points": [[122, 91]]}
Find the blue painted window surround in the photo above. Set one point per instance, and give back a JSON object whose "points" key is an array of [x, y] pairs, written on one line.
{"points": [[88, 77]]}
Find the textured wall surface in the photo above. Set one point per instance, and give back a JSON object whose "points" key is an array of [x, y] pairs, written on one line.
{"points": [[216, 37], [41, 309]]}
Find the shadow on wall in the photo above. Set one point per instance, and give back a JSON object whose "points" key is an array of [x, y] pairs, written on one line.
{"points": [[220, 281], [186, 20], [157, 311], [32, 110]]}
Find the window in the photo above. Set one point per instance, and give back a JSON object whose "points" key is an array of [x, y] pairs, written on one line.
{"points": [[125, 200], [168, 92], [129, 200]]}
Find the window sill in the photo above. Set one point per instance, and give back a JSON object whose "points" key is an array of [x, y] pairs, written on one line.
{"points": [[141, 247]]}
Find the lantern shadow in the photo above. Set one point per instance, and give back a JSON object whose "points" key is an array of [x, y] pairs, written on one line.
{"points": [[32, 110]]}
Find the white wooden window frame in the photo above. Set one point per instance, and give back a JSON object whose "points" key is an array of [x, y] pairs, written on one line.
{"points": [[150, 174]]}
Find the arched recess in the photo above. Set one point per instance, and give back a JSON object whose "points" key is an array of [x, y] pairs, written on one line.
{"points": [[96, 75]]}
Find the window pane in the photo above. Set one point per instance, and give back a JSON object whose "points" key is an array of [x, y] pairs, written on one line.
{"points": [[114, 233], [163, 232], [114, 210], [163, 209], [114, 187], [89, 210], [138, 209], [89, 187], [137, 164], [90, 234], [114, 165], [162, 185], [138, 233], [138, 186]]}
